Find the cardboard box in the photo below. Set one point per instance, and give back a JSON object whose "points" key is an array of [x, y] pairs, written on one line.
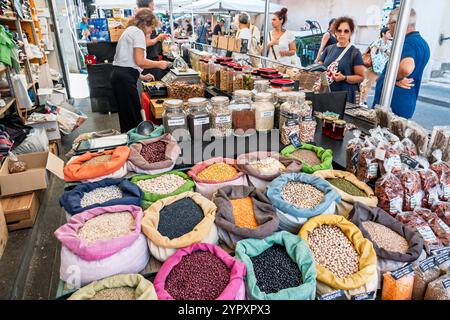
{"points": [[223, 42], [36, 176], [215, 41], [51, 128], [115, 34], [49, 94], [21, 211], [3, 231]]}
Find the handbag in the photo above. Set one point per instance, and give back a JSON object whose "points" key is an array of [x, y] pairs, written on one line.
{"points": [[273, 50], [367, 58], [334, 66]]}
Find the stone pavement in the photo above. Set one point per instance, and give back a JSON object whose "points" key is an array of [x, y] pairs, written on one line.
{"points": [[435, 93]]}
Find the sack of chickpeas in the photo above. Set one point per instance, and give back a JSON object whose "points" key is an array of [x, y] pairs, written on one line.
{"points": [[92, 167], [279, 267], [118, 287], [105, 193], [153, 156], [213, 174], [243, 212], [312, 157], [102, 242], [350, 189], [262, 167], [394, 244], [345, 260], [163, 185], [299, 197], [177, 222]]}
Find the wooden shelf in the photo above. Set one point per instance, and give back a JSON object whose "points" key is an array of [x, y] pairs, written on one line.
{"points": [[5, 18], [9, 103]]}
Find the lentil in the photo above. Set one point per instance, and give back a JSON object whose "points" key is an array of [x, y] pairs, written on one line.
{"points": [[385, 238], [154, 152], [164, 184], [244, 215], [198, 276], [100, 195], [347, 187], [400, 289], [179, 218], [107, 226], [333, 250], [97, 160], [307, 156], [302, 195], [275, 270], [121, 293], [439, 289], [218, 172]]}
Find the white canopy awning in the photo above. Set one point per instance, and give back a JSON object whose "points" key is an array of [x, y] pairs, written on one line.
{"points": [[160, 5], [250, 6]]}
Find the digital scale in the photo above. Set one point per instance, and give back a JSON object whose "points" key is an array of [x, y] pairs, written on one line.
{"points": [[190, 76], [156, 89]]}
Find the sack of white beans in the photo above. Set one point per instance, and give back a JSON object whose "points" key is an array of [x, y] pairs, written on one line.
{"points": [[108, 192], [299, 197], [102, 242]]}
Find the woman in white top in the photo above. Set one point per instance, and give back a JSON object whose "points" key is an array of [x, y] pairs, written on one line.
{"points": [[129, 62], [281, 44]]}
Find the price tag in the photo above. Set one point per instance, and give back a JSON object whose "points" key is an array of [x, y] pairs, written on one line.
{"points": [[400, 273], [446, 283], [440, 259], [267, 114], [364, 296], [336, 295], [295, 140], [201, 121], [427, 264], [380, 154], [413, 164], [427, 234], [223, 119], [176, 122]]}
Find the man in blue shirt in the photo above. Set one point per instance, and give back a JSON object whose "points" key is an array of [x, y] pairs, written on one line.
{"points": [[415, 56]]}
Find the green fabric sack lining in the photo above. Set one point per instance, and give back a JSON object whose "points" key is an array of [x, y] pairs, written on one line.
{"points": [[133, 136], [325, 155]]}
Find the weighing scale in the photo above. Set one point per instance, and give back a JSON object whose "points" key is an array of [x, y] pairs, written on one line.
{"points": [[190, 76]]}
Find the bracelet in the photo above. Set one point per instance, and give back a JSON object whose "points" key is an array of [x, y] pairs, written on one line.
{"points": [[346, 78]]}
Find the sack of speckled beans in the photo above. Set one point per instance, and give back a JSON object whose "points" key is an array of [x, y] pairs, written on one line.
{"points": [[263, 167], [153, 156], [206, 271], [213, 174], [105, 193], [299, 197], [102, 242], [177, 222], [243, 212]]}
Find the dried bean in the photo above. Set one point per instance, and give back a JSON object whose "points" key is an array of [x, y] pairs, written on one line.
{"points": [[439, 289], [218, 172], [164, 184], [385, 238], [307, 130], [97, 160], [268, 166], [307, 156], [154, 152], [244, 215], [107, 226], [101, 195], [121, 293], [302, 195], [347, 187]]}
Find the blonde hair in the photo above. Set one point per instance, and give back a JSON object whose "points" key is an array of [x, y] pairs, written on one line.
{"points": [[144, 18], [412, 16]]}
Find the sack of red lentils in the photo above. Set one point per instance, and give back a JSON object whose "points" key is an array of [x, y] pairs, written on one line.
{"points": [[118, 287], [92, 167], [243, 212], [213, 174], [153, 156], [163, 185], [177, 222], [345, 260], [262, 167], [206, 271], [299, 197], [105, 193], [312, 157], [102, 242], [279, 267]]}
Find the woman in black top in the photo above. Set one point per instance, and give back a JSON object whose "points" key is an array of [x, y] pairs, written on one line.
{"points": [[328, 39]]}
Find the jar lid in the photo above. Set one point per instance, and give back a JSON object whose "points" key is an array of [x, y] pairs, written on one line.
{"points": [[340, 122], [224, 59], [283, 94], [282, 82], [238, 68], [268, 71], [231, 64], [274, 90], [220, 99], [272, 76], [196, 102], [263, 96], [242, 93], [255, 72], [224, 63], [173, 103]]}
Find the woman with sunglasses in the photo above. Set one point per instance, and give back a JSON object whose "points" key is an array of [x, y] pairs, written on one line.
{"points": [[344, 62]]}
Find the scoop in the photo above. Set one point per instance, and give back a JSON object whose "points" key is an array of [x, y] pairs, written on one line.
{"points": [[145, 128]]}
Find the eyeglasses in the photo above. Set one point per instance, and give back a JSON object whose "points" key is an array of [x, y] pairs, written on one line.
{"points": [[346, 31], [392, 22]]}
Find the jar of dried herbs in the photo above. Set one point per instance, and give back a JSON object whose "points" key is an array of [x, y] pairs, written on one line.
{"points": [[221, 124], [248, 79]]}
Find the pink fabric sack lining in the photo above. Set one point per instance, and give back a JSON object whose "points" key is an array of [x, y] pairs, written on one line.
{"points": [[195, 170]]}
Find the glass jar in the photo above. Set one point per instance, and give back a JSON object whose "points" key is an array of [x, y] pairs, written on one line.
{"points": [[338, 131], [238, 83], [281, 98], [203, 70], [212, 72], [174, 117], [274, 93], [289, 117], [327, 126], [262, 86], [283, 84], [264, 111], [231, 75], [224, 76], [221, 124], [307, 129], [243, 113], [305, 106], [217, 68], [198, 117], [248, 80]]}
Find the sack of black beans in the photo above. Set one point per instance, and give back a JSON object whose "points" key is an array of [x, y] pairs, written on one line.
{"points": [[118, 287], [279, 267], [205, 271], [213, 174], [313, 158], [350, 189], [163, 185], [345, 260], [262, 167], [105, 193], [299, 197], [394, 243], [133, 136], [244, 212], [153, 156], [102, 242], [177, 222]]}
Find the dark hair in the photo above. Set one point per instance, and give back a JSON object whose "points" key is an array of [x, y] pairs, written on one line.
{"points": [[282, 15], [143, 3], [332, 21], [222, 20], [383, 31], [348, 20]]}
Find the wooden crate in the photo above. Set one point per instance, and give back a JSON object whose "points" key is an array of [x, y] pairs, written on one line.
{"points": [[21, 211], [3, 232], [157, 108]]}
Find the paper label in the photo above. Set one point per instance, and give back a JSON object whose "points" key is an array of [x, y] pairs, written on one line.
{"points": [[396, 205], [176, 122], [355, 158], [446, 283], [433, 196], [201, 121], [336, 295], [415, 200], [446, 191], [380, 154], [223, 119], [364, 296], [267, 114], [373, 170], [442, 258], [427, 234], [427, 264], [413, 164], [400, 273], [441, 251], [295, 140], [443, 226]]}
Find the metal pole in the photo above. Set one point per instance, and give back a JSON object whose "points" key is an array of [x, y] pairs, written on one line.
{"points": [[171, 17], [266, 27], [396, 53]]}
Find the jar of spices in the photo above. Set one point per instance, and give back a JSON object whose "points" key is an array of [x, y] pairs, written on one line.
{"points": [[262, 86], [211, 72], [224, 76], [307, 129], [283, 84], [274, 93], [198, 117], [264, 111], [231, 75], [221, 124], [203, 70], [217, 68], [238, 83], [248, 79], [281, 98], [174, 117], [243, 113], [338, 131]]}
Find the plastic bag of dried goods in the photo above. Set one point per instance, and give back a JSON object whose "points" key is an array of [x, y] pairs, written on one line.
{"points": [[424, 273], [368, 167], [325, 157], [407, 146], [439, 227], [442, 209], [14, 165], [398, 285], [412, 187], [430, 184], [353, 149], [388, 154], [439, 289], [390, 192], [419, 136]]}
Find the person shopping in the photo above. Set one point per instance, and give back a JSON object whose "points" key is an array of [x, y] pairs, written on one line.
{"points": [[344, 62], [328, 39], [128, 64]]}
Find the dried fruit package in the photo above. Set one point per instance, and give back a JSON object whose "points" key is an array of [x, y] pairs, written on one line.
{"points": [[398, 285], [14, 165], [442, 209], [407, 147], [419, 136], [353, 149], [390, 192], [440, 229], [382, 116], [440, 139], [412, 189], [424, 273], [439, 289], [389, 136], [367, 163], [398, 126], [442, 169], [430, 184], [387, 153]]}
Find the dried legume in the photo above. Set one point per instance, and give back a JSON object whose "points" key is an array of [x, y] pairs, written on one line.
{"points": [[97, 160], [275, 270], [268, 165], [347, 187], [154, 152], [100, 195], [122, 293], [107, 226], [164, 184], [244, 215], [307, 156], [333, 250], [218, 172], [385, 238], [439, 289], [198, 276], [302, 195], [400, 289]]}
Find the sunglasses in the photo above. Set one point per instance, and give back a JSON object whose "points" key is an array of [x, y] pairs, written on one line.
{"points": [[346, 31]]}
